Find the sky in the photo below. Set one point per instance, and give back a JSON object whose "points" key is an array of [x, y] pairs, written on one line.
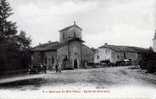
{"points": [[118, 22]]}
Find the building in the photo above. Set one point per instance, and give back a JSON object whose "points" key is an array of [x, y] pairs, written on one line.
{"points": [[72, 53], [154, 42], [69, 52], [45, 54], [114, 54]]}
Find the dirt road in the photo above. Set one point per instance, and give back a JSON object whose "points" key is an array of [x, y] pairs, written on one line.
{"points": [[115, 82], [97, 77]]}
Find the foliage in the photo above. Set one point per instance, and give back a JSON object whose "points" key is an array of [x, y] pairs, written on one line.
{"points": [[23, 41], [148, 61], [7, 28], [14, 49]]}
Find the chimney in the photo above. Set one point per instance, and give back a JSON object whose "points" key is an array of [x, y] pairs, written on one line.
{"points": [[106, 44]]}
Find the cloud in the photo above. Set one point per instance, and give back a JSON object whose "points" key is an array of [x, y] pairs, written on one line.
{"points": [[32, 9], [129, 22], [40, 19]]}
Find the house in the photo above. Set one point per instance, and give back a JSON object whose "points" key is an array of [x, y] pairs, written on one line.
{"points": [[114, 53], [70, 52]]}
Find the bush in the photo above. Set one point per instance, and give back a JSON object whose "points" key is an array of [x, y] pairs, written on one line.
{"points": [[148, 62]]}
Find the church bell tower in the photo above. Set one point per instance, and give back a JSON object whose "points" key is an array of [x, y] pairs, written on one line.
{"points": [[70, 32], [154, 42]]}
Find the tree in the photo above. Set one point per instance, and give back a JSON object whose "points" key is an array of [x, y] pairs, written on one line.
{"points": [[14, 49], [7, 28], [23, 41]]}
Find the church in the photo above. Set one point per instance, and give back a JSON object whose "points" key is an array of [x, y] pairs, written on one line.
{"points": [[70, 52]]}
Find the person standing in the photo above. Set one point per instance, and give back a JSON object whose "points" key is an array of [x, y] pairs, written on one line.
{"points": [[56, 67], [45, 68], [59, 67]]}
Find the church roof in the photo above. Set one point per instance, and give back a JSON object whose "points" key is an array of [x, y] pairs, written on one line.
{"points": [[75, 39], [46, 46], [74, 25], [125, 48], [71, 40]]}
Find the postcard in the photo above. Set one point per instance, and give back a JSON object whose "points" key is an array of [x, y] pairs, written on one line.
{"points": [[97, 49]]}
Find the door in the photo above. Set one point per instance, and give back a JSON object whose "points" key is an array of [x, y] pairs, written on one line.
{"points": [[75, 63]]}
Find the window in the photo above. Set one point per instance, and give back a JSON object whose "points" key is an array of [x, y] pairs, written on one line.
{"points": [[98, 56], [118, 56]]}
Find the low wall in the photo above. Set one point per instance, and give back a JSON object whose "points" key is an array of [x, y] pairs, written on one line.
{"points": [[13, 72]]}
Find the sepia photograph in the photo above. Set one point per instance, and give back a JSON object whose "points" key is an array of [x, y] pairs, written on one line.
{"points": [[97, 49]]}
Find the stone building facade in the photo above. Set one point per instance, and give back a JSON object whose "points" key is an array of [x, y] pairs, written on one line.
{"points": [[69, 52], [72, 52], [115, 53]]}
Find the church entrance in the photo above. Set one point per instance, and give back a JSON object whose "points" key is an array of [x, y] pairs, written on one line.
{"points": [[75, 63]]}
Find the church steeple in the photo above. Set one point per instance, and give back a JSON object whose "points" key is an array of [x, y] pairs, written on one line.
{"points": [[154, 42], [155, 35]]}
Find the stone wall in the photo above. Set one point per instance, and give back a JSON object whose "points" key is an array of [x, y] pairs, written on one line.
{"points": [[87, 54], [75, 53], [47, 58], [50, 58], [63, 56], [70, 54]]}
